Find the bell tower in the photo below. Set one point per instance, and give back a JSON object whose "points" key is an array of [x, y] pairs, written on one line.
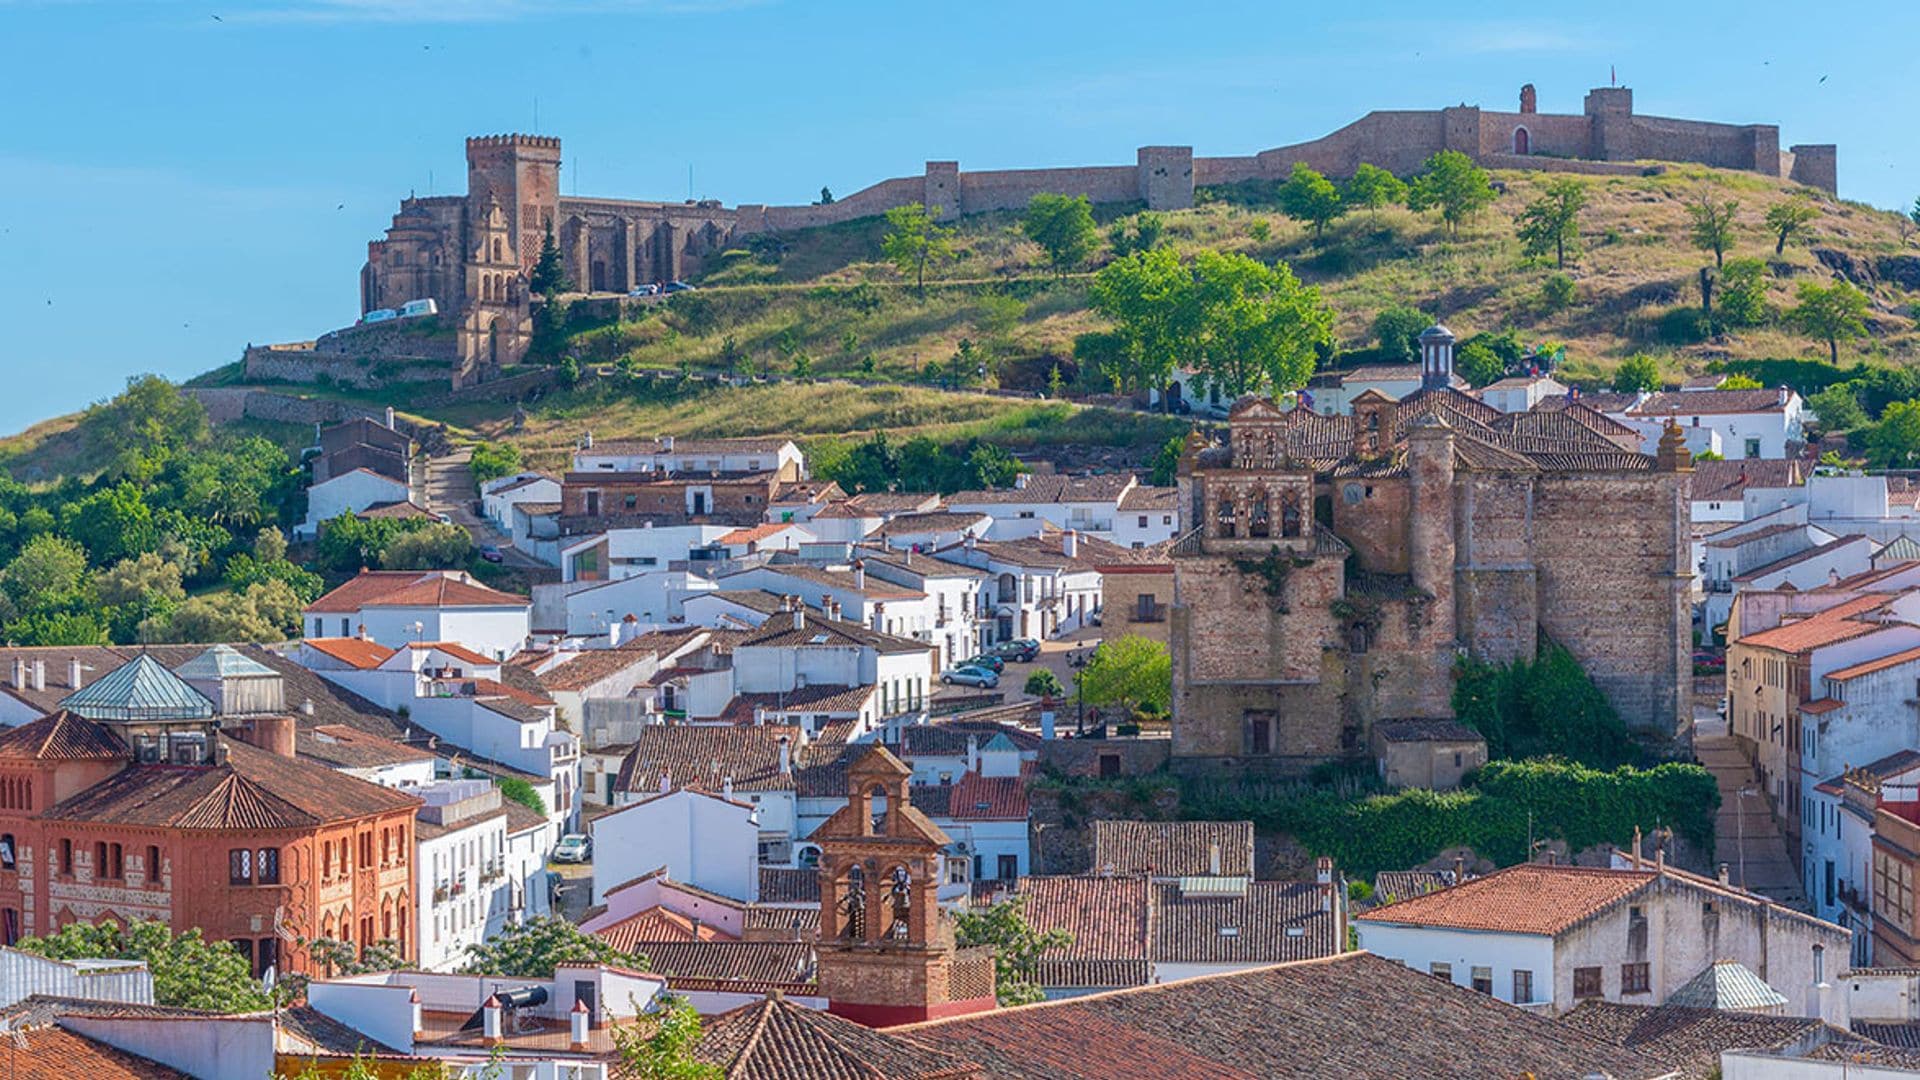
{"points": [[886, 950], [495, 325]]}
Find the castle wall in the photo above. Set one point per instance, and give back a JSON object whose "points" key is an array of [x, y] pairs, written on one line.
{"points": [[422, 337], [302, 366], [1371, 516], [1611, 553], [1554, 134], [1726, 146], [1815, 165], [1497, 602]]}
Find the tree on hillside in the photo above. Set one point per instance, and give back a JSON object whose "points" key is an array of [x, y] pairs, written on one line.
{"points": [[263, 612], [531, 950], [1146, 294], [1063, 227], [189, 972], [1831, 313], [1786, 219], [1143, 236], [146, 424], [1132, 673], [492, 461], [1712, 224], [1637, 373], [1259, 329], [1837, 408], [437, 545], [1163, 470], [549, 276], [1478, 363], [46, 573], [1451, 183], [1017, 947], [1310, 198], [1743, 292], [914, 241], [1552, 221], [1398, 330], [1373, 187], [826, 196], [1894, 441]]}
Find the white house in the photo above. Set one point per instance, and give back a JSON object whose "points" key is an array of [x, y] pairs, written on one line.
{"points": [[733, 608], [933, 530], [1837, 841], [1042, 585], [670, 455], [398, 607], [1087, 504], [710, 840], [959, 594], [348, 493], [1749, 423], [846, 591], [1553, 936], [756, 761], [795, 652], [766, 537], [536, 530], [1147, 516], [500, 495], [1331, 393], [464, 893], [1519, 393], [621, 553], [595, 608]]}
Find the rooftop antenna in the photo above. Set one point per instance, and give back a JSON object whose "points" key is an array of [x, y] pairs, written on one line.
{"points": [[536, 114], [689, 181], [1613, 76]]}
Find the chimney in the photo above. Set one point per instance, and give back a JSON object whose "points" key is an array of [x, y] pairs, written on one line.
{"points": [[491, 1020], [1459, 869], [971, 541], [306, 707], [39, 674], [666, 781], [389, 417], [360, 631], [860, 574], [1636, 847], [586, 441], [1323, 880], [879, 617], [419, 1027], [73, 673], [1070, 544], [1019, 481], [1213, 858], [1783, 395], [799, 616], [726, 788], [759, 715], [1726, 879], [1660, 858], [577, 1022], [973, 753], [666, 444], [786, 757], [19, 673], [274, 734]]}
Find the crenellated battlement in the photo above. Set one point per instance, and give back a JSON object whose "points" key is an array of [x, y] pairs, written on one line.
{"points": [[524, 142]]}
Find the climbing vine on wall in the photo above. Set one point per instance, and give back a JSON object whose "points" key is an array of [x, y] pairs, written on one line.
{"points": [[1273, 569]]}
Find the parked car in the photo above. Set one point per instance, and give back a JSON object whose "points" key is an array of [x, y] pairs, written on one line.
{"points": [[491, 553], [1019, 650], [413, 308], [573, 847], [677, 286], [985, 660], [971, 676], [649, 289], [379, 315]]}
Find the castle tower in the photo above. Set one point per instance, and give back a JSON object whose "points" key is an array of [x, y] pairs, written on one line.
{"points": [[1430, 518], [886, 950], [495, 322], [522, 174]]}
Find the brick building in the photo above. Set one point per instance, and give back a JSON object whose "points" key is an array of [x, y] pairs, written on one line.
{"points": [[1341, 563], [130, 802]]}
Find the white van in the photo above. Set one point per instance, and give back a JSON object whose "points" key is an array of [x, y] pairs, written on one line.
{"points": [[418, 307], [379, 315]]}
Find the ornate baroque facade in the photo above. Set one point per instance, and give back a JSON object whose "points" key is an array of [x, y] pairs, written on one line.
{"points": [[1340, 564]]}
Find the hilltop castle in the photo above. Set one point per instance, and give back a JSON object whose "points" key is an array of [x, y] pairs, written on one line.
{"points": [[471, 253]]}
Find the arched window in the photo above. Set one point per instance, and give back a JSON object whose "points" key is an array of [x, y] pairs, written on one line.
{"points": [[877, 811], [6, 852], [1225, 525], [1260, 519], [1290, 522], [853, 903], [498, 250], [899, 903]]}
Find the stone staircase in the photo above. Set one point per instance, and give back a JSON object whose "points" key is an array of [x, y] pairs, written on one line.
{"points": [[1746, 837]]}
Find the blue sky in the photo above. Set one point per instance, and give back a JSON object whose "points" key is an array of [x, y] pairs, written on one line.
{"points": [[174, 185]]}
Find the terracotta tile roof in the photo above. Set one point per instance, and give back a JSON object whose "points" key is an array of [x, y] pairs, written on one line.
{"points": [[318, 1033], [1172, 848], [819, 698], [1110, 918], [948, 738], [1150, 498], [1265, 922], [1050, 489], [1709, 403], [875, 588], [1868, 667], [763, 962], [254, 790], [705, 757], [1350, 1015], [360, 652], [53, 1053], [1818, 706], [895, 502], [63, 736], [1685, 1039], [779, 632], [592, 666], [1525, 899], [778, 1040], [1837, 623], [1904, 1035], [760, 600], [1391, 885], [455, 650], [403, 510], [756, 533], [988, 798], [688, 446], [789, 885], [1425, 731], [1060, 973], [342, 747], [1761, 533], [413, 588], [657, 924], [1857, 1052], [1726, 481]]}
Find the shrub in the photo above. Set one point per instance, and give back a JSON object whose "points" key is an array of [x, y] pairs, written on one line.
{"points": [[1556, 292], [1398, 332], [1547, 705], [1743, 292], [1683, 326]]}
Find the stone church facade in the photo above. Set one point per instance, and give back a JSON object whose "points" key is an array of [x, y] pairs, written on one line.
{"points": [[1340, 565]]}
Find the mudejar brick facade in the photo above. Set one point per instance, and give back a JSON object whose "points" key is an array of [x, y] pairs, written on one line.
{"points": [[1340, 564]]}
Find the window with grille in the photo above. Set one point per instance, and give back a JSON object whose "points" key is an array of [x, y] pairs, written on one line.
{"points": [[1635, 978], [1586, 982]]}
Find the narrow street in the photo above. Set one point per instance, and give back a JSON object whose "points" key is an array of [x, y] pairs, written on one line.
{"points": [[450, 490], [1746, 837]]}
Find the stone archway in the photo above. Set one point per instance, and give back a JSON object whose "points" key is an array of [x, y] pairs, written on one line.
{"points": [[1522, 141]]}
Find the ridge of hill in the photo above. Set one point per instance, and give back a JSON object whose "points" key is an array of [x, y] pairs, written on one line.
{"points": [[831, 340]]}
